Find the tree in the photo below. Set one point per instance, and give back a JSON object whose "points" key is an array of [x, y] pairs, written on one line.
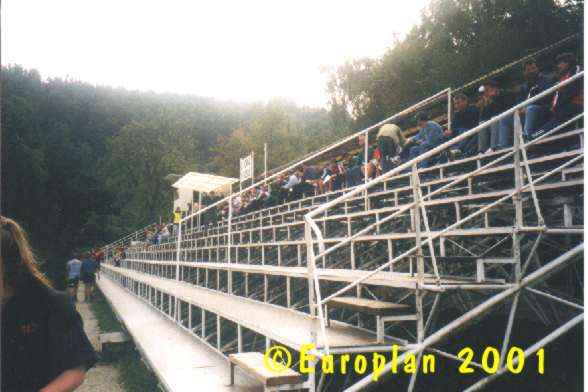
{"points": [[141, 155], [455, 42]]}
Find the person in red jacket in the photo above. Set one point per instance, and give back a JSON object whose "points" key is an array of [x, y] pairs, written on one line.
{"points": [[568, 101]]}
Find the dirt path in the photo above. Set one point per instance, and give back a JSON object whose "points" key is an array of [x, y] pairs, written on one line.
{"points": [[102, 377]]}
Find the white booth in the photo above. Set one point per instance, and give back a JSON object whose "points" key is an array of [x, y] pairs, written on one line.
{"points": [[192, 185]]}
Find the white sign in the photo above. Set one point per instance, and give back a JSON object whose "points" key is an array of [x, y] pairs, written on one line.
{"points": [[246, 165]]}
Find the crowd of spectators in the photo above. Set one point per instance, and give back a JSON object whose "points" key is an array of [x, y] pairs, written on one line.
{"points": [[391, 148]]}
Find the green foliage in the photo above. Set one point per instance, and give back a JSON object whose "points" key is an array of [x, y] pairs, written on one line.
{"points": [[135, 377], [456, 41], [83, 165], [288, 132], [141, 154]]}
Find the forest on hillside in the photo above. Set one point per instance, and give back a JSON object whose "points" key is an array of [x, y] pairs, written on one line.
{"points": [[83, 165]]}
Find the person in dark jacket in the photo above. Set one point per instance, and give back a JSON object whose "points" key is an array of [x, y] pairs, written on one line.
{"points": [[535, 83], [44, 347], [89, 268], [568, 101], [494, 102], [465, 117]]}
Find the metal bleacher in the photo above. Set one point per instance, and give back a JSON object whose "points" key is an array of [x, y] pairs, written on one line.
{"points": [[451, 243]]}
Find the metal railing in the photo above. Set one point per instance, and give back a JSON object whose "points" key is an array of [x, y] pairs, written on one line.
{"points": [[316, 303], [138, 235]]}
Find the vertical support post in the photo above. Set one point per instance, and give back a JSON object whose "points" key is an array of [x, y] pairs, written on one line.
{"points": [[252, 167], [218, 332], [449, 108], [518, 175], [312, 305], [192, 214], [288, 288], [366, 161], [517, 198], [419, 254], [199, 222], [178, 252], [239, 339], [189, 314], [265, 161], [229, 240], [518, 135]]}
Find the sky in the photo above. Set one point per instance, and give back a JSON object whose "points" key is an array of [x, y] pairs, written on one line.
{"points": [[247, 50]]}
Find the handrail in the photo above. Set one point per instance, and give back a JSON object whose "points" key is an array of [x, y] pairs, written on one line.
{"points": [[443, 146], [404, 112], [123, 239], [322, 208], [439, 190], [313, 227], [420, 104]]}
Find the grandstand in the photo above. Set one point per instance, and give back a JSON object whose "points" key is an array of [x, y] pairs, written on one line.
{"points": [[413, 257]]}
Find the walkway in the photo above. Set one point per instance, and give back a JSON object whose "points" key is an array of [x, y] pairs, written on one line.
{"points": [[179, 360], [102, 377]]}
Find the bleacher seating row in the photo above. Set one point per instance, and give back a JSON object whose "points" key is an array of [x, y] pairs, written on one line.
{"points": [[419, 248]]}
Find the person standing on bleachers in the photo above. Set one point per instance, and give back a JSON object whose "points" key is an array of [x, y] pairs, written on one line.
{"points": [[359, 166], [390, 142], [494, 101], [177, 217], [535, 83], [429, 136], [465, 117], [568, 101]]}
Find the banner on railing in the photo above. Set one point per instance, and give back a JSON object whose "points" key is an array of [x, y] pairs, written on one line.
{"points": [[246, 165]]}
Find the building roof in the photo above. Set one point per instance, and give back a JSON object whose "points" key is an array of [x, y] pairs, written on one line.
{"points": [[202, 182]]}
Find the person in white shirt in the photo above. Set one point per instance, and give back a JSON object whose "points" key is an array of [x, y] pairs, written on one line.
{"points": [[73, 269], [293, 180]]}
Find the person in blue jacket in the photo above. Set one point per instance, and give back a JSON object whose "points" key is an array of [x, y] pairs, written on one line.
{"points": [[429, 136]]}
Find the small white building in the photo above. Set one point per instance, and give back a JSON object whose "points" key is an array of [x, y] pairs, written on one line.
{"points": [[192, 186]]}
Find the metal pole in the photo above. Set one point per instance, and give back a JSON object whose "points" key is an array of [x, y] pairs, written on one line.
{"points": [[265, 161], [419, 254], [434, 236], [449, 108], [192, 214], [230, 275], [535, 347], [366, 160], [312, 303], [252, 167], [199, 208], [456, 325], [178, 251]]}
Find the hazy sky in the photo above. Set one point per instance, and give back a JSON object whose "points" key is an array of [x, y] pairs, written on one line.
{"points": [[238, 50]]}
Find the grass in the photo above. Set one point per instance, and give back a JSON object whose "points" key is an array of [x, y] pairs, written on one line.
{"points": [[107, 321], [134, 375]]}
